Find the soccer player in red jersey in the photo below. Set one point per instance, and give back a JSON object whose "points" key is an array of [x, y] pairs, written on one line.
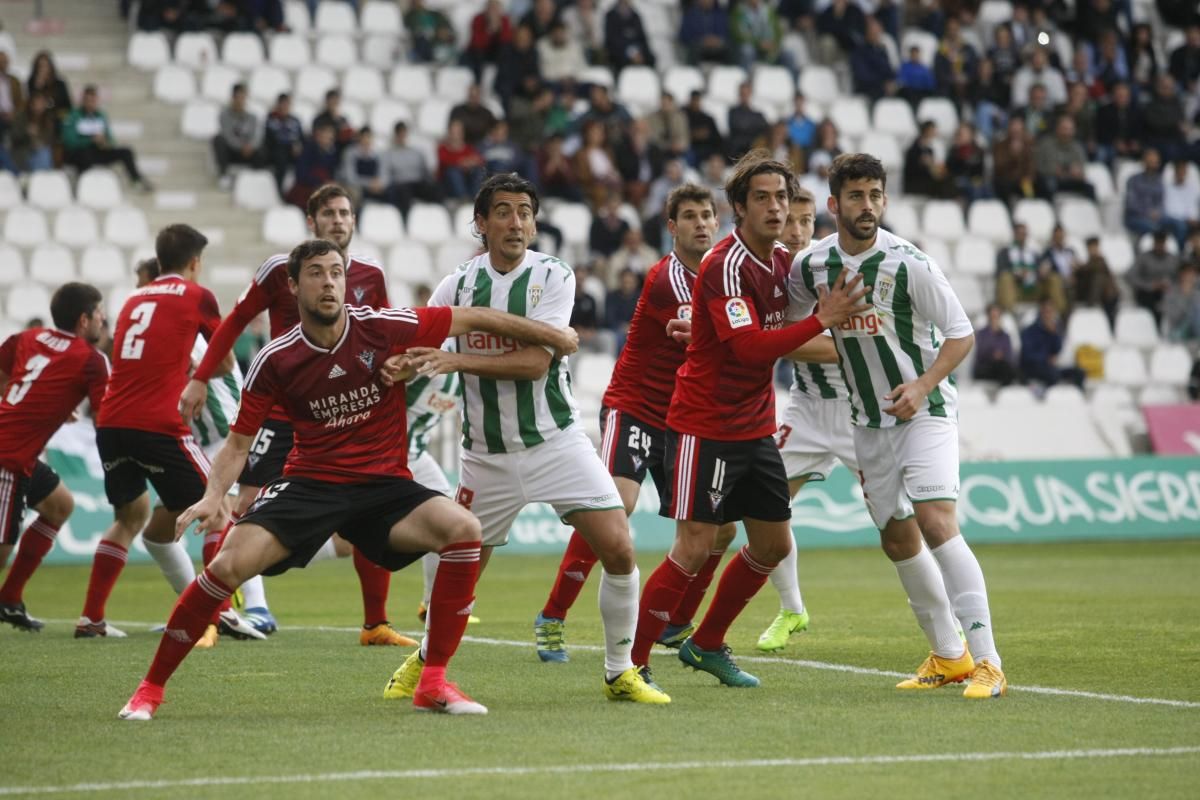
{"points": [[721, 460], [347, 472], [330, 216], [634, 413], [48, 372], [139, 432]]}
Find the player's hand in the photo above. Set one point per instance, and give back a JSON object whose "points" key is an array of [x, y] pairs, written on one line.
{"points": [[569, 343], [680, 330], [210, 512], [397, 369], [195, 394], [843, 300], [906, 400], [430, 361]]}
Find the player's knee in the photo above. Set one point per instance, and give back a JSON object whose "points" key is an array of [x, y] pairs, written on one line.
{"points": [[57, 508], [133, 516], [224, 568], [464, 528], [937, 525]]}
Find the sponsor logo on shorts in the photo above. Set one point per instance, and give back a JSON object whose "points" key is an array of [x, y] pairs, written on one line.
{"points": [[738, 313], [715, 499], [253, 460], [637, 462], [931, 488]]}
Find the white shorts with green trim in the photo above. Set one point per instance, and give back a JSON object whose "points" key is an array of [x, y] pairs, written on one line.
{"points": [[814, 435], [564, 471], [916, 462], [428, 472]]}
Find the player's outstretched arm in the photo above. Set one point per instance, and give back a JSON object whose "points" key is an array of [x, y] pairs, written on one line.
{"points": [[908, 397], [525, 364], [817, 350], [211, 511], [563, 341]]}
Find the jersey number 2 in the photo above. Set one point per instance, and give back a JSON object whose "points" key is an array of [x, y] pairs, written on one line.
{"points": [[33, 368], [132, 347]]}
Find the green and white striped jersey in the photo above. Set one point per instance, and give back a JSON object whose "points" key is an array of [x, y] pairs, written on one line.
{"points": [[898, 339], [822, 381], [503, 416], [224, 395], [429, 399]]}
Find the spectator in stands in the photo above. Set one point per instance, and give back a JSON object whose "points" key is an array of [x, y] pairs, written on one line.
{"points": [[518, 61], [1108, 62], [34, 135], [88, 140], [669, 127], [994, 357], [560, 56], [620, 305], [409, 172], [12, 96], [1118, 127], [1094, 285], [1060, 161], [966, 164], [501, 154], [654, 220], [364, 171], [586, 317], [802, 129], [584, 25], [612, 115], [528, 114], [1145, 61], [460, 166], [1163, 120], [1145, 195], [746, 123], [777, 142], [712, 177], [1152, 273], [924, 174], [331, 115], [1038, 114], [634, 255], [476, 118], [1184, 65], [954, 66], [1014, 170], [541, 19], [44, 78], [1181, 200], [1041, 344], [758, 35], [317, 165], [915, 79], [1181, 308], [702, 131], [430, 33], [1005, 56], [491, 33], [595, 165], [704, 32], [563, 116], [556, 173], [1039, 71], [1021, 278], [625, 39], [869, 65], [839, 27], [1081, 72], [639, 161], [1081, 108], [987, 98], [825, 146], [607, 231], [283, 139], [1060, 257], [237, 141]]}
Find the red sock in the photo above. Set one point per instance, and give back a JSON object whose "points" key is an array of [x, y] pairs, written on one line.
{"points": [[573, 572], [661, 594], [106, 568], [741, 580], [686, 611], [449, 608], [212, 545], [193, 610], [35, 543], [374, 581]]}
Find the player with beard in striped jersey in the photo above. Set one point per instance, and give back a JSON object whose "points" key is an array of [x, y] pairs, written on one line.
{"points": [[522, 442], [633, 417], [897, 358]]}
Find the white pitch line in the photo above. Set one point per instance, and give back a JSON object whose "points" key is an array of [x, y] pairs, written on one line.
{"points": [[796, 662], [575, 769]]}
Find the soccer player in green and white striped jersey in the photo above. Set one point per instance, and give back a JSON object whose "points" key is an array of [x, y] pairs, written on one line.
{"points": [[897, 358]]}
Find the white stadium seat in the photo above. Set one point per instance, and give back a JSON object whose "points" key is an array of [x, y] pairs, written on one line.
{"points": [[1170, 364], [974, 257], [148, 51], [382, 52], [1157, 394], [452, 253], [1038, 217], [25, 226], [296, 16], [284, 226], [1079, 217], [942, 112], [337, 52], [174, 84], [10, 191], [464, 220], [76, 226], [381, 224], [412, 83], [267, 82], [989, 219], [1065, 394], [52, 264], [592, 373], [1101, 180], [289, 51], [12, 265], [681, 81], [381, 17], [885, 148], [451, 83], [384, 116], [242, 51], [126, 226], [255, 189], [201, 120], [400, 294], [103, 263], [217, 83], [638, 89], [363, 84], [335, 18], [195, 50], [773, 85], [1147, 241], [943, 217], [429, 223], [354, 113], [26, 300], [895, 116], [901, 219], [1087, 326], [819, 84], [1124, 366], [851, 116], [49, 190], [411, 262], [1136, 328], [925, 41], [599, 75], [1016, 396], [99, 189], [1117, 251], [969, 294], [433, 116], [313, 81], [723, 84]]}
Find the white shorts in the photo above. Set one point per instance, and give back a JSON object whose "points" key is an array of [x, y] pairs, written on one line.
{"points": [[563, 471], [814, 435], [911, 463], [428, 472]]}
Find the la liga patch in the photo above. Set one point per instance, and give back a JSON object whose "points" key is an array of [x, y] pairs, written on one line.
{"points": [[738, 313]]}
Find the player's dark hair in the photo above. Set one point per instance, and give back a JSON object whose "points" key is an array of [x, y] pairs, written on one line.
{"points": [[688, 193], [149, 267], [755, 162], [502, 182], [803, 195], [330, 191], [310, 249], [176, 245], [70, 302], [854, 167]]}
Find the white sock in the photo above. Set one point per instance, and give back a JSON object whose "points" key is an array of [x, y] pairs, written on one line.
{"points": [[618, 611], [174, 561], [922, 582], [254, 595], [968, 596], [429, 566], [327, 552], [786, 581]]}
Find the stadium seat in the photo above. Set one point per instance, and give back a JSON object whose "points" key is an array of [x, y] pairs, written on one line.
{"points": [[174, 84], [1065, 394], [366, 251], [1156, 394], [901, 219], [336, 51], [1117, 251], [638, 90], [195, 50], [973, 395], [312, 82], [942, 112], [1038, 217], [850, 114], [1125, 169], [267, 82], [819, 85], [379, 17], [895, 116], [49, 190], [943, 217], [126, 226], [242, 51], [969, 294], [25, 226], [1107, 396], [99, 189], [433, 116], [1087, 326], [719, 111], [12, 265], [598, 75], [363, 84], [412, 83], [382, 52], [148, 51], [384, 116], [923, 40], [1136, 328], [429, 223], [1147, 241], [217, 83], [1016, 396], [592, 373], [773, 86], [988, 219], [451, 83], [723, 83], [974, 257], [27, 300], [449, 255], [681, 81], [381, 224], [336, 18], [284, 226], [296, 16], [400, 294], [1170, 364], [255, 189], [289, 51], [10, 191], [938, 252], [103, 264], [52, 264], [201, 120], [76, 226], [1079, 217], [464, 220], [412, 263], [886, 149], [1101, 180], [1124, 366]]}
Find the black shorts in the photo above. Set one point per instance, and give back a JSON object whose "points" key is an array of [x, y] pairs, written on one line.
{"points": [[630, 448], [174, 465], [303, 513], [718, 482], [268, 452], [18, 492]]}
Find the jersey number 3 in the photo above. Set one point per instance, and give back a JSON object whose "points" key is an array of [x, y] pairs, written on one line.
{"points": [[33, 368], [131, 348]]}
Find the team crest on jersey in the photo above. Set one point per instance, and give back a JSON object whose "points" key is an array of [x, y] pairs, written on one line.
{"points": [[367, 357], [359, 293], [715, 499], [738, 313], [883, 290], [684, 311], [535, 295]]}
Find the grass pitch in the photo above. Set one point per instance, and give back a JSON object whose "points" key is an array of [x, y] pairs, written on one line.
{"points": [[301, 715]]}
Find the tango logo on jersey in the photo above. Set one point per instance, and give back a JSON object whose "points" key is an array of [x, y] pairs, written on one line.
{"points": [[864, 324], [359, 293], [738, 313], [491, 344], [367, 357], [442, 403], [684, 311], [535, 295]]}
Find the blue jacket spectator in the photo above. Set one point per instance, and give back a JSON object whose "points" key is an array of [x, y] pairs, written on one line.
{"points": [[704, 32], [1144, 196], [1041, 344]]}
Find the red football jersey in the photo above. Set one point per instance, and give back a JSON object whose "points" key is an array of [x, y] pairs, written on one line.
{"points": [[644, 378], [716, 396], [50, 372], [349, 427], [152, 353]]}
